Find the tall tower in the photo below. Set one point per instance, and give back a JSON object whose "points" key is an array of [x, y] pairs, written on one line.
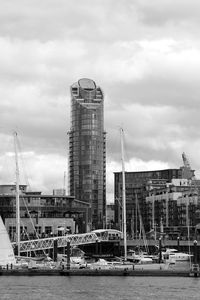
{"points": [[87, 150]]}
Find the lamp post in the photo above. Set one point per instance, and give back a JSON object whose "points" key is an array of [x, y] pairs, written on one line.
{"points": [[195, 252], [178, 243], [160, 250]]}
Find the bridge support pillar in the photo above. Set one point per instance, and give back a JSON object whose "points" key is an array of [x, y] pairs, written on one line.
{"points": [[55, 250], [68, 255], [160, 250], [100, 248], [16, 250], [96, 247]]}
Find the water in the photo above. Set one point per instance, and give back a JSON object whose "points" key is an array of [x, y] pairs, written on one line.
{"points": [[98, 288]]}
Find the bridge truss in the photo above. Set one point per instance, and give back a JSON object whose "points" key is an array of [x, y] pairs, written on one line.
{"points": [[48, 243]]}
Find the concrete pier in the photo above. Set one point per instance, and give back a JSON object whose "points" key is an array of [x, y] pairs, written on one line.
{"points": [[99, 272]]}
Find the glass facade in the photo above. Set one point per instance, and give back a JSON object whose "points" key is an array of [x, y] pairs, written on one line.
{"points": [[136, 193], [87, 144]]}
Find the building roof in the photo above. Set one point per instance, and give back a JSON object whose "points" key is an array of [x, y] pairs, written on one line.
{"points": [[87, 84]]}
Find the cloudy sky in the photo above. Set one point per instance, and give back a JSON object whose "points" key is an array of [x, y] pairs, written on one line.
{"points": [[144, 54]]}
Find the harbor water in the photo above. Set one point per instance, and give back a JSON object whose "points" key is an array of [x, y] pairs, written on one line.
{"points": [[98, 288]]}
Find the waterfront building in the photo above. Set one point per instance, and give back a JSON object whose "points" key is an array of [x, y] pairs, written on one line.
{"points": [[42, 215], [10, 189], [87, 150], [172, 211], [138, 186]]}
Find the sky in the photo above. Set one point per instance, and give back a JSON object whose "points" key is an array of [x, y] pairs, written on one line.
{"points": [[145, 55]]}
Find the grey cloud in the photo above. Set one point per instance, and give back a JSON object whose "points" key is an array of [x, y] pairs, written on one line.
{"points": [[157, 92], [149, 91], [156, 13], [51, 19], [158, 133]]}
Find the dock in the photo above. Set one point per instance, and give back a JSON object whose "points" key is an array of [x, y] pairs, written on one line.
{"points": [[99, 272]]}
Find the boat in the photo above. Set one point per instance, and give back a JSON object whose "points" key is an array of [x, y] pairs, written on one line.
{"points": [[103, 264], [140, 257], [77, 259], [152, 266], [173, 255], [7, 257]]}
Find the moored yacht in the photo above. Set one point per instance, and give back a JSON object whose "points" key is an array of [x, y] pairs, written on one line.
{"points": [[103, 264], [173, 255], [141, 257]]}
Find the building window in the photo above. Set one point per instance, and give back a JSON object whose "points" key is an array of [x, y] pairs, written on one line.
{"points": [[48, 229]]}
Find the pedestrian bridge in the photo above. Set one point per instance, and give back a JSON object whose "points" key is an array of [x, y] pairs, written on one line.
{"points": [[106, 235]]}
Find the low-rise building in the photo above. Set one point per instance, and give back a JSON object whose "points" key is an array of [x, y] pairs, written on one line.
{"points": [[157, 199], [42, 215], [171, 210]]}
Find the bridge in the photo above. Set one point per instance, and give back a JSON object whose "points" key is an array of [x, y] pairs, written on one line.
{"points": [[74, 239], [48, 243]]}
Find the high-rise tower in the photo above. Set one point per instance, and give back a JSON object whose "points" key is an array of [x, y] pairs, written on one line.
{"points": [[87, 149]]}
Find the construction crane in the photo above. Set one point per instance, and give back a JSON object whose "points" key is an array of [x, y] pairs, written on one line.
{"points": [[185, 161], [188, 173]]}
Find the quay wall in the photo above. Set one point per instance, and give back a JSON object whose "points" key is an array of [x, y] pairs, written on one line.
{"points": [[100, 272]]}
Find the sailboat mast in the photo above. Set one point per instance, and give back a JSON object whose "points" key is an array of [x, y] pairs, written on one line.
{"points": [[17, 196], [64, 184], [123, 196]]}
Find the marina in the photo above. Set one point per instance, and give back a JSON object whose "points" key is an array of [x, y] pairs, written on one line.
{"points": [[99, 268], [74, 262]]}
